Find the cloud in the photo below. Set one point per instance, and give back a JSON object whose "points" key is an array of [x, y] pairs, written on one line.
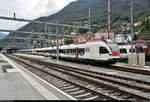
{"points": [[29, 9]]}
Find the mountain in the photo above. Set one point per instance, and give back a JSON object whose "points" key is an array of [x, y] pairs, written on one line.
{"points": [[78, 12], [2, 35]]}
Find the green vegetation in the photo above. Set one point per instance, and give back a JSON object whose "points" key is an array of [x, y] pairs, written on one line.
{"points": [[144, 28], [77, 13]]}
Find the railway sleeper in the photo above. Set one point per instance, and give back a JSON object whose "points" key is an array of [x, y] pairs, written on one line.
{"points": [[107, 85], [72, 90], [65, 88], [120, 82], [62, 85], [77, 92], [83, 95], [104, 95], [92, 98]]}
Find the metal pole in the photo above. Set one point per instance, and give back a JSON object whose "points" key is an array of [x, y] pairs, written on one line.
{"points": [[44, 35], [48, 40], [89, 22], [11, 42], [33, 39], [108, 18], [57, 44], [132, 34], [28, 41]]}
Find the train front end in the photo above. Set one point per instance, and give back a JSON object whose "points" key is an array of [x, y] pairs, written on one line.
{"points": [[114, 50]]}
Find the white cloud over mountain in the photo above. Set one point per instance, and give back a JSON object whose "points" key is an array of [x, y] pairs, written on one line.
{"points": [[29, 9]]}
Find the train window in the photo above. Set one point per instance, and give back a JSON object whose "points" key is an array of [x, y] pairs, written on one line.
{"points": [[87, 50], [133, 50], [139, 49], [72, 51], [123, 51], [60, 51], [53, 51], [113, 47], [50, 51], [81, 51], [103, 50], [64, 51]]}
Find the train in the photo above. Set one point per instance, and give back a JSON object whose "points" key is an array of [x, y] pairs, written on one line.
{"points": [[101, 51], [145, 44], [9, 51], [125, 50]]}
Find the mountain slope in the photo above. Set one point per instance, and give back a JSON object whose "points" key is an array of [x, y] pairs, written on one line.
{"points": [[2, 35], [120, 10], [78, 11]]}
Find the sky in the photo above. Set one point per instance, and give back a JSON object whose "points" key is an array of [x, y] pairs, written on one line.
{"points": [[28, 9]]}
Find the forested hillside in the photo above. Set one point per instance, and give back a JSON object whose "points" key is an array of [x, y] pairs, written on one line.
{"points": [[78, 12]]}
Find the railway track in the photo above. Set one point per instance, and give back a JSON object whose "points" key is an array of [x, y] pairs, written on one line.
{"points": [[125, 69], [113, 86], [147, 63], [118, 68], [68, 85]]}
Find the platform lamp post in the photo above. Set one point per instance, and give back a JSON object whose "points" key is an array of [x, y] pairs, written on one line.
{"points": [[132, 32]]}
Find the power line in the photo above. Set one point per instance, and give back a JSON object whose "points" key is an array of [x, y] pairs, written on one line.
{"points": [[40, 22], [37, 33]]}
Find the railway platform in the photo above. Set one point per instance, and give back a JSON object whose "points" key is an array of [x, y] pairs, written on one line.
{"points": [[17, 83], [121, 64]]}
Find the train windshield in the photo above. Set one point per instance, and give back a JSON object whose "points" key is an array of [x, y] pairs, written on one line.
{"points": [[113, 46], [139, 49]]}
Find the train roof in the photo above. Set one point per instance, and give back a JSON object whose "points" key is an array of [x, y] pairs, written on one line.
{"points": [[125, 46], [74, 45]]}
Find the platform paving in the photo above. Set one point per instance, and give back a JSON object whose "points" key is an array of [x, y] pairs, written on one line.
{"points": [[17, 83]]}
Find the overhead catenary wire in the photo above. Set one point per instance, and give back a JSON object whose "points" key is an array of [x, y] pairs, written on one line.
{"points": [[40, 22], [37, 33]]}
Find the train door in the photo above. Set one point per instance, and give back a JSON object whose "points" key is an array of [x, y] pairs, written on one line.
{"points": [[77, 53], [93, 51], [50, 52], [55, 52], [36, 52], [123, 53]]}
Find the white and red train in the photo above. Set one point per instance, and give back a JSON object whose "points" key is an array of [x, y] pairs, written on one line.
{"points": [[95, 51], [125, 50]]}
